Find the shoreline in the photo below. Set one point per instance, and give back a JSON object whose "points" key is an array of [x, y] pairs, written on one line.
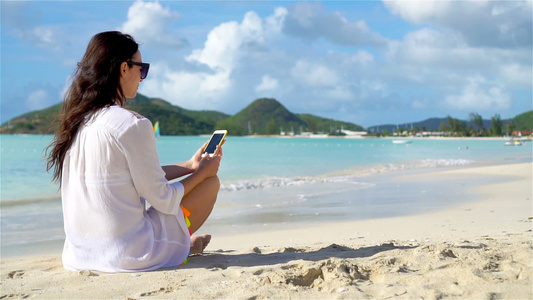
{"points": [[487, 138], [266, 217], [491, 212], [480, 249]]}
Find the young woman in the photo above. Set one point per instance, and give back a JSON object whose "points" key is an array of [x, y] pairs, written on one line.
{"points": [[106, 161]]}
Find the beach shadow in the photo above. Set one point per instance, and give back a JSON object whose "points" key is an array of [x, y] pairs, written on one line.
{"points": [[224, 259]]}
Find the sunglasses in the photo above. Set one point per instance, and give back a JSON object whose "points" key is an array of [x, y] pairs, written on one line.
{"points": [[144, 68]]}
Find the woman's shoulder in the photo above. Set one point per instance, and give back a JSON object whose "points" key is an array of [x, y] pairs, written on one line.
{"points": [[117, 111], [121, 119]]}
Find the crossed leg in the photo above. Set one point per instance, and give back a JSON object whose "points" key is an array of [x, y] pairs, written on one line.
{"points": [[200, 202]]}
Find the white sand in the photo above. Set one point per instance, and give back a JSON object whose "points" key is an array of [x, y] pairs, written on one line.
{"points": [[481, 250]]}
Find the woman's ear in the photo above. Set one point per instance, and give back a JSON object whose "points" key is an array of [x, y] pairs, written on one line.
{"points": [[123, 69]]}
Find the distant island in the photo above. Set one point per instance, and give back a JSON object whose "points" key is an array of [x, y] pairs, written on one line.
{"points": [[475, 126], [267, 116]]}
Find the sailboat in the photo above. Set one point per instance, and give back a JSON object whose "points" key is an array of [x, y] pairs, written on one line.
{"points": [[156, 129], [513, 142]]}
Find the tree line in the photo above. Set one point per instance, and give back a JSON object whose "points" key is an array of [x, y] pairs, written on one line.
{"points": [[474, 128]]}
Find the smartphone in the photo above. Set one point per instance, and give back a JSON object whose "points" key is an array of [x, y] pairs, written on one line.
{"points": [[216, 139]]}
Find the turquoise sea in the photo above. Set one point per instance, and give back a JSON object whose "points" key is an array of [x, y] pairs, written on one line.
{"points": [[268, 182]]}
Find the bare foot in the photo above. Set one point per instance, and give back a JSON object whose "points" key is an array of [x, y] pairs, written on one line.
{"points": [[199, 243]]}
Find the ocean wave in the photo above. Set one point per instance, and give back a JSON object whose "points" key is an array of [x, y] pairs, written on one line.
{"points": [[347, 176], [421, 164], [18, 202], [343, 176], [273, 182]]}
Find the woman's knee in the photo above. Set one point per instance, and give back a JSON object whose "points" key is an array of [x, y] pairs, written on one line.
{"points": [[213, 183], [206, 192]]}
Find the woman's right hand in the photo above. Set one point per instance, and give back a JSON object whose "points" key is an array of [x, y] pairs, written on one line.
{"points": [[208, 166]]}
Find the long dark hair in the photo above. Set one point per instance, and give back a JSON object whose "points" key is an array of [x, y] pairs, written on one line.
{"points": [[95, 85]]}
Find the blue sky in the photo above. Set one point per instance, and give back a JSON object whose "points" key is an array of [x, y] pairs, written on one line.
{"points": [[366, 62]]}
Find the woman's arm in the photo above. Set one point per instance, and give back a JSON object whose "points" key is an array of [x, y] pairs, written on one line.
{"points": [[178, 170], [185, 168], [199, 168]]}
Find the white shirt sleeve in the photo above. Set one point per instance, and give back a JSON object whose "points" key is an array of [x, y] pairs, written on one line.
{"points": [[148, 177]]}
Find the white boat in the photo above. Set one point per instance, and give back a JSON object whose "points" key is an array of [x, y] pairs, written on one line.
{"points": [[402, 141], [513, 143]]}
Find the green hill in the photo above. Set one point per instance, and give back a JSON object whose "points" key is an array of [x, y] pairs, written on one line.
{"points": [[35, 122], [522, 122], [263, 116], [267, 116], [318, 124], [173, 120]]}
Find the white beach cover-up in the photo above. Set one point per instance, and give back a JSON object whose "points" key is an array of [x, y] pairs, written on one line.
{"points": [[111, 169]]}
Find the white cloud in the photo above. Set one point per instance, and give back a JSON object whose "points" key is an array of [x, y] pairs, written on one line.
{"points": [[442, 60], [220, 49], [275, 22], [442, 67], [37, 100], [339, 93], [330, 59], [208, 84], [309, 21], [240, 60], [372, 90], [417, 104], [420, 11], [260, 56], [227, 42], [518, 75], [479, 94], [41, 36], [267, 83], [429, 46], [25, 23], [192, 90], [502, 24], [313, 75], [226, 45], [148, 22], [362, 58]]}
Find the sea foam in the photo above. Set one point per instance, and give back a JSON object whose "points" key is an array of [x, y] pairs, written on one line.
{"points": [[343, 176]]}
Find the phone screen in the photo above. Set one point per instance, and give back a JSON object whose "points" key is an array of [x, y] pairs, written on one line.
{"points": [[215, 140]]}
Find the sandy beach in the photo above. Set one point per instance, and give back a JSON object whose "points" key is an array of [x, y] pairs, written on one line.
{"points": [[478, 250]]}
